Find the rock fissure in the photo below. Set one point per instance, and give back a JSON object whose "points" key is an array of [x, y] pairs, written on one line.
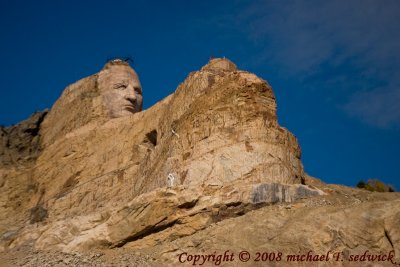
{"points": [[146, 232], [387, 236]]}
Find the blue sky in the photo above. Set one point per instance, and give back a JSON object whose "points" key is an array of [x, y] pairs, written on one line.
{"points": [[334, 65]]}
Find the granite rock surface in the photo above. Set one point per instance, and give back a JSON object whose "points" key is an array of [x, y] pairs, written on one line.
{"points": [[207, 168]]}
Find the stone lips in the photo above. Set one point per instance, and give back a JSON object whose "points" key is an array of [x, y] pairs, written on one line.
{"points": [[102, 181]]}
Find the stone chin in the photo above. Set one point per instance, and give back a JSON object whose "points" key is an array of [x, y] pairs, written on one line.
{"points": [[123, 112], [118, 106]]}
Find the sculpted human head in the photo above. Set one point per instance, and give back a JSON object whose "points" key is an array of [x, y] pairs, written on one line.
{"points": [[120, 88]]}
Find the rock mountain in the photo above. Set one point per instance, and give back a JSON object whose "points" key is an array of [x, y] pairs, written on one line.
{"points": [[206, 170]]}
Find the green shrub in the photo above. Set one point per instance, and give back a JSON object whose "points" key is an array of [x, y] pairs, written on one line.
{"points": [[375, 185], [361, 184]]}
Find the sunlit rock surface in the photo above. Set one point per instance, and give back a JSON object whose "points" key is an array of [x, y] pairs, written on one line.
{"points": [[208, 163]]}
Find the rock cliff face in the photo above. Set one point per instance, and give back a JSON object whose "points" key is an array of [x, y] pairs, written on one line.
{"points": [[202, 160], [20, 144]]}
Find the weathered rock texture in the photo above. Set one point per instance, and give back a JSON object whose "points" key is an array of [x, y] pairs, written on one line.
{"points": [[20, 144], [102, 183]]}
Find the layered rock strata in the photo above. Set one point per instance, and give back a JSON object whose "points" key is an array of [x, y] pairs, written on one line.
{"points": [[212, 151]]}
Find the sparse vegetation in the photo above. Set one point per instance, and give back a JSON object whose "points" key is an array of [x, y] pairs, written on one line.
{"points": [[375, 185]]}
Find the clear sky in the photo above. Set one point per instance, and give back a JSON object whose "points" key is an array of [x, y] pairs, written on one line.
{"points": [[334, 65]]}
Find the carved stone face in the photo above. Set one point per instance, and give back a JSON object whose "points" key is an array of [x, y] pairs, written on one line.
{"points": [[121, 90]]}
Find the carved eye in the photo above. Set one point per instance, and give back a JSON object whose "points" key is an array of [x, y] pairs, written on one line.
{"points": [[120, 86], [138, 90]]}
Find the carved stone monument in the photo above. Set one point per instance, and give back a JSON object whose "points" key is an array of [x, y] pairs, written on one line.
{"points": [[108, 174]]}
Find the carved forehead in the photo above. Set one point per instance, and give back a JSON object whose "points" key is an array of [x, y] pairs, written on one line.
{"points": [[116, 74], [118, 71]]}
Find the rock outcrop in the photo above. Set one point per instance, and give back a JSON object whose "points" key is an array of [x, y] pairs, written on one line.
{"points": [[207, 167], [20, 143]]}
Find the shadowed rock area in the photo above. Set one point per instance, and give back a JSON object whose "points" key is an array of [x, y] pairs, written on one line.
{"points": [[20, 144], [206, 169]]}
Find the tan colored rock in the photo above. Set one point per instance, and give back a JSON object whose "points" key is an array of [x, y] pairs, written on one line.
{"points": [[202, 135], [210, 155], [349, 220], [353, 228], [219, 65], [120, 88], [166, 214], [113, 92]]}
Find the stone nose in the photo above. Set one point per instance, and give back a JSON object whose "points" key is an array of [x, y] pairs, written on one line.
{"points": [[130, 94], [131, 97]]}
